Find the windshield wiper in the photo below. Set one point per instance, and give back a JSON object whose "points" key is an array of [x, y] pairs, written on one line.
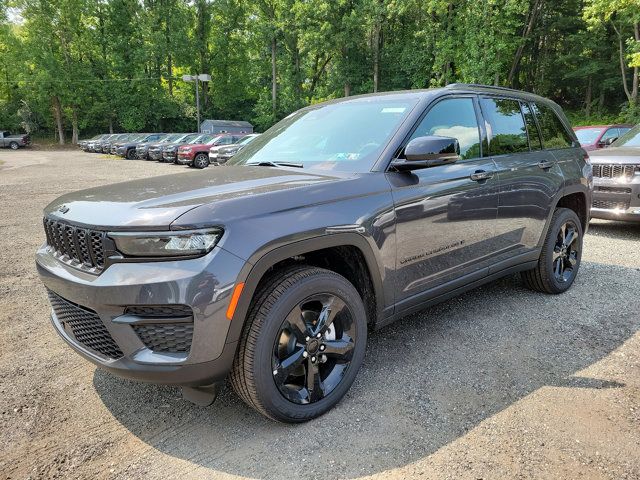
{"points": [[268, 163]]}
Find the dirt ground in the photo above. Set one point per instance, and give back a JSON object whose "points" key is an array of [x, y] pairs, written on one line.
{"points": [[499, 383]]}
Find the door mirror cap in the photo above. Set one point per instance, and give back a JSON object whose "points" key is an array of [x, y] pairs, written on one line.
{"points": [[428, 151], [609, 141]]}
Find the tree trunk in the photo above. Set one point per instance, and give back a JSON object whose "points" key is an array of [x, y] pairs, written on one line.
{"points": [[533, 13], [170, 73], [623, 73], [74, 124], [57, 114], [274, 75], [636, 74], [587, 100], [111, 125], [376, 56], [347, 89]]}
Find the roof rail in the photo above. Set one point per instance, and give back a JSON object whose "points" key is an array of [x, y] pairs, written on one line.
{"points": [[478, 85]]}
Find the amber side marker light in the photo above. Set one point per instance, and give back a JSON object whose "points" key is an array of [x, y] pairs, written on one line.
{"points": [[234, 300]]}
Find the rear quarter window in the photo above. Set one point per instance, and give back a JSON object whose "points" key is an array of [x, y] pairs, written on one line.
{"points": [[554, 133]]}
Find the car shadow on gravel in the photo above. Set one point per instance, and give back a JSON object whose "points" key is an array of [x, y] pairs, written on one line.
{"points": [[426, 381], [615, 230]]}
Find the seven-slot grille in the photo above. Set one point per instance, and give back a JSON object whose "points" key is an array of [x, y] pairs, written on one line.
{"points": [[86, 326], [613, 170], [81, 245]]}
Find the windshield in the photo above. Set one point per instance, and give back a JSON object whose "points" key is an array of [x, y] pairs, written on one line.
{"points": [[587, 136], [629, 139], [347, 136]]}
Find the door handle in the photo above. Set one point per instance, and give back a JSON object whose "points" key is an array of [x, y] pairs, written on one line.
{"points": [[480, 175], [544, 165]]}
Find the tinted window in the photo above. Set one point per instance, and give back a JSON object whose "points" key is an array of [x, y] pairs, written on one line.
{"points": [[587, 136], [455, 117], [532, 129], [629, 139], [508, 131], [554, 135], [624, 130]]}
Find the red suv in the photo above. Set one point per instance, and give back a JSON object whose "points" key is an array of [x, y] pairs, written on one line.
{"points": [[197, 155], [599, 136]]}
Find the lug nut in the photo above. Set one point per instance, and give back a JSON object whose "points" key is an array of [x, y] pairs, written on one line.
{"points": [[318, 335], [275, 372], [322, 347], [313, 359], [305, 354], [307, 338]]}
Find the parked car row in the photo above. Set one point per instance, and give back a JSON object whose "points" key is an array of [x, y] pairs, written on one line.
{"points": [[197, 150]]}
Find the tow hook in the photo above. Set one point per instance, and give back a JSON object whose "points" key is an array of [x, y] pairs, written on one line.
{"points": [[201, 396]]}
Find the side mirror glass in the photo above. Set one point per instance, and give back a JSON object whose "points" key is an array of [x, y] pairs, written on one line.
{"points": [[428, 151]]}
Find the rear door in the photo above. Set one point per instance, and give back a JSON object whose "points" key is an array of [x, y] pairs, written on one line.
{"points": [[529, 177], [445, 215]]}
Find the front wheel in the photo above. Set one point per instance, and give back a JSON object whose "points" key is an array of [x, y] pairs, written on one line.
{"points": [[131, 154], [302, 346], [13, 145], [201, 160], [560, 257]]}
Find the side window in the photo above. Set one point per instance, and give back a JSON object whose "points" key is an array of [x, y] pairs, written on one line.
{"points": [[610, 133], [508, 131], [624, 130], [554, 134], [454, 117], [532, 129]]}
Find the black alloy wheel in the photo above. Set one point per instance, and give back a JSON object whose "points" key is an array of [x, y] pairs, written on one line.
{"points": [[560, 256], [566, 251], [302, 344], [131, 154], [313, 348]]}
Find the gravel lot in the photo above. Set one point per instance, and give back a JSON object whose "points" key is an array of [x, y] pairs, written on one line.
{"points": [[499, 383]]}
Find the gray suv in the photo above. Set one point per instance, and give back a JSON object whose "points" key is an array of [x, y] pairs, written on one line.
{"points": [[340, 219]]}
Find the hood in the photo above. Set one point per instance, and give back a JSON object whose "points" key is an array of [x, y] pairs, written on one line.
{"points": [[154, 203], [616, 155]]}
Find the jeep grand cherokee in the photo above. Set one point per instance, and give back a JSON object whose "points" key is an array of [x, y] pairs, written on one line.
{"points": [[342, 218]]}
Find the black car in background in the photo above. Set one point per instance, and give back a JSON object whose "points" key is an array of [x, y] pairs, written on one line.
{"points": [[170, 151], [155, 151], [127, 149], [142, 149]]}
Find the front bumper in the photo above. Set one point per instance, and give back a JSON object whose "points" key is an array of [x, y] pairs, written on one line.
{"points": [[184, 159], [204, 284], [616, 198], [155, 154], [169, 156]]}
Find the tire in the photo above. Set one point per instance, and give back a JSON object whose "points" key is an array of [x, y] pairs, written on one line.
{"points": [[131, 154], [14, 146], [558, 264], [257, 370], [201, 160]]}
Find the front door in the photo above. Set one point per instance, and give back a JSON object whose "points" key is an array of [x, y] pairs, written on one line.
{"points": [[445, 215]]}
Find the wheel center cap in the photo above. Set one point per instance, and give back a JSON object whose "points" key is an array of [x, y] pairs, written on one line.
{"points": [[313, 346]]}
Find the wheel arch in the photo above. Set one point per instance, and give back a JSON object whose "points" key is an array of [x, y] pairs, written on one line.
{"points": [[576, 198], [310, 251]]}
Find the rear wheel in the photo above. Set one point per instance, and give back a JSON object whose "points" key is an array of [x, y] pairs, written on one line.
{"points": [[560, 257], [131, 154], [201, 160], [302, 346], [13, 145]]}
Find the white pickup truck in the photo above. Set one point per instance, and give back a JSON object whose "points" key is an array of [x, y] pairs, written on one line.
{"points": [[13, 141]]}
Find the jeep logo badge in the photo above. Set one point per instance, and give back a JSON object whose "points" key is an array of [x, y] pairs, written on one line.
{"points": [[63, 209]]}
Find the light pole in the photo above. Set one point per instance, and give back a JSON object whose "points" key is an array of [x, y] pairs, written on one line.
{"points": [[202, 77]]}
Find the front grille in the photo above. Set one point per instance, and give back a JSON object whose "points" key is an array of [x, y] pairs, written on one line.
{"points": [[166, 337], [613, 170], [611, 205], [86, 326], [80, 245]]}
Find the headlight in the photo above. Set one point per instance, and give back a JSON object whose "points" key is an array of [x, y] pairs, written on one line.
{"points": [[166, 244]]}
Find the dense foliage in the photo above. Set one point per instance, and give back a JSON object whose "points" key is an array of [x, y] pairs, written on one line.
{"points": [[77, 67]]}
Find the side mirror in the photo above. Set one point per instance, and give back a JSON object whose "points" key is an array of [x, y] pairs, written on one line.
{"points": [[426, 152], [609, 141]]}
